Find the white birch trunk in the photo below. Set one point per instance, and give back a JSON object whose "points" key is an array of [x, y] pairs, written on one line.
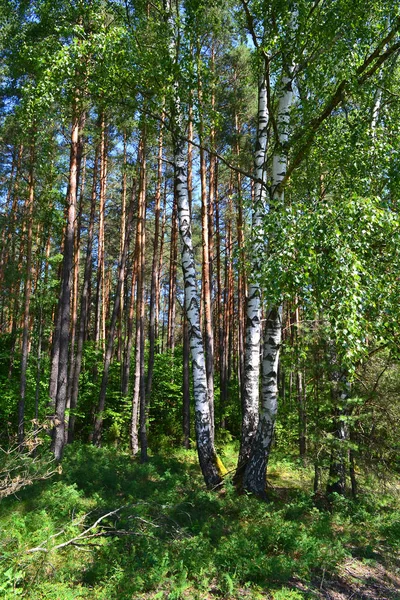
{"points": [[253, 309], [256, 469], [205, 447]]}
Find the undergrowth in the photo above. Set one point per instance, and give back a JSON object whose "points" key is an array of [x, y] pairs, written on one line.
{"points": [[165, 536]]}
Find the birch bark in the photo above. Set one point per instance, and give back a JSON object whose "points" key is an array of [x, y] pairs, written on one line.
{"points": [[255, 474], [205, 447], [253, 310]]}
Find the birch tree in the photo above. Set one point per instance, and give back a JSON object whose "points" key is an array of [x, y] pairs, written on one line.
{"points": [[253, 309], [287, 155], [209, 463]]}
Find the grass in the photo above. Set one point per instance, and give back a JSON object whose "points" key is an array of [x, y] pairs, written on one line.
{"points": [[173, 539]]}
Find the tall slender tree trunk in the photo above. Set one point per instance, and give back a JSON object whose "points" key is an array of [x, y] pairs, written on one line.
{"points": [[186, 385], [126, 366], [209, 463], [241, 279], [172, 278], [250, 398], [205, 445], [83, 317], [190, 153], [10, 250], [39, 361], [227, 314], [122, 242], [300, 390], [160, 347], [154, 290], [27, 298], [55, 356], [98, 423], [206, 266], [138, 410], [255, 472], [11, 204], [65, 296], [100, 286], [76, 267], [219, 301]]}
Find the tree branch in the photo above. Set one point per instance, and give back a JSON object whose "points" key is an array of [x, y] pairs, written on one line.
{"points": [[82, 536], [206, 149], [250, 24], [337, 97]]}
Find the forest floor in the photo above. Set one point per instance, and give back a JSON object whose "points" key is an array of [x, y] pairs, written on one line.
{"points": [[110, 528], [359, 580]]}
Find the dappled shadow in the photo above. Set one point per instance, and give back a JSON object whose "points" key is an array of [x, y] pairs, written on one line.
{"points": [[170, 534], [355, 580], [112, 474], [181, 536]]}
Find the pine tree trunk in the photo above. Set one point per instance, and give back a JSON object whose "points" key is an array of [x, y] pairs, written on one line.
{"points": [[11, 211], [98, 423], [39, 361], [65, 296], [75, 286], [190, 153], [206, 272], [83, 317], [141, 288], [100, 284], [227, 316], [160, 347], [10, 252], [206, 262], [126, 366], [241, 279], [55, 356], [154, 290], [27, 299], [138, 400], [122, 242], [219, 301]]}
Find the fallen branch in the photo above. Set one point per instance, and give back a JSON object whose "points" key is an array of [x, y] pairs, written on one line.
{"points": [[82, 536], [22, 465]]}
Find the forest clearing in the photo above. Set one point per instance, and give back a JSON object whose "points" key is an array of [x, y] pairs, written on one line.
{"points": [[199, 299]]}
